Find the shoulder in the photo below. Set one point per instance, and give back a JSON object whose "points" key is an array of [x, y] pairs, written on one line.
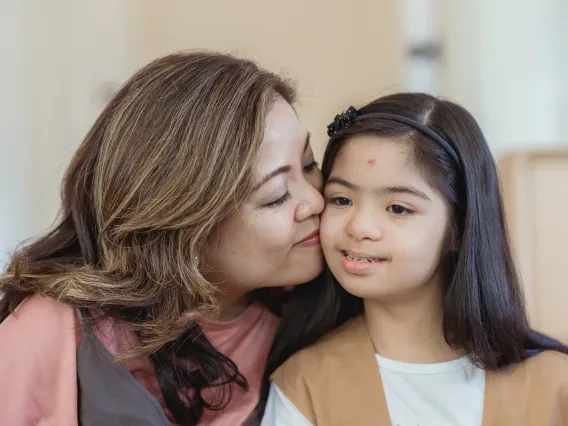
{"points": [[542, 377], [548, 374], [38, 363], [548, 366], [280, 411], [311, 373], [42, 320], [550, 357], [539, 384], [544, 364], [321, 358], [41, 329]]}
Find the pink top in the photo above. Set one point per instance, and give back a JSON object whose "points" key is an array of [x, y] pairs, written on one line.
{"points": [[38, 375]]}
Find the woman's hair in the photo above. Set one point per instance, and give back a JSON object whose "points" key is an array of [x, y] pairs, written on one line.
{"points": [[484, 312], [168, 160]]}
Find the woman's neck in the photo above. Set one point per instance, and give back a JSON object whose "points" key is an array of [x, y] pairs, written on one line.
{"points": [[409, 328], [232, 304]]}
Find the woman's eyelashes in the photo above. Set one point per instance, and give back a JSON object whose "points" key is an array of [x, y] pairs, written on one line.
{"points": [[280, 201], [311, 167]]}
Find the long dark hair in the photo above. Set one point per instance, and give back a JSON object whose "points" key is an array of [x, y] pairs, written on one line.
{"points": [[170, 158], [484, 311]]}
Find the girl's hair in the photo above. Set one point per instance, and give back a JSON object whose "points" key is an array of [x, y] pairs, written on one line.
{"points": [[484, 312], [169, 159]]}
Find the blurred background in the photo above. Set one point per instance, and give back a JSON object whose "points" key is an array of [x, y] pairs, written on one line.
{"points": [[504, 60]]}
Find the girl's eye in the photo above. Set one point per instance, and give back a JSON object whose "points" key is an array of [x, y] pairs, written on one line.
{"points": [[310, 167], [340, 201], [280, 201], [399, 210]]}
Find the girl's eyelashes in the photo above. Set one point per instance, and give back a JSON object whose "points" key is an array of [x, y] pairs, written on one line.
{"points": [[343, 201], [399, 210], [340, 201]]}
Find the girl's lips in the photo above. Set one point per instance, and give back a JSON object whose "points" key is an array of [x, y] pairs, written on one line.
{"points": [[360, 268]]}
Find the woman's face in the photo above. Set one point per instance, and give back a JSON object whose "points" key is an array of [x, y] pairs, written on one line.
{"points": [[274, 238]]}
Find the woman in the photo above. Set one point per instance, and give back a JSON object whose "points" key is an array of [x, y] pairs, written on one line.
{"points": [[195, 188]]}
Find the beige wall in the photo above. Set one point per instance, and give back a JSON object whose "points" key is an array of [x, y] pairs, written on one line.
{"points": [[536, 200], [338, 52], [63, 55]]}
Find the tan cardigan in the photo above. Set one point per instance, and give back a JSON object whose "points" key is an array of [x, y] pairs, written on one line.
{"points": [[337, 382]]}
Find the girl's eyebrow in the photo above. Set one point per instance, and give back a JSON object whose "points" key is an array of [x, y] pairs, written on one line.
{"points": [[382, 190]]}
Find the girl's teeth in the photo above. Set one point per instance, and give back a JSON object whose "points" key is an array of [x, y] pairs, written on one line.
{"points": [[357, 259]]}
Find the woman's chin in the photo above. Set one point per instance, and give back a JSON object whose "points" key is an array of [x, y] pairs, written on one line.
{"points": [[303, 275]]}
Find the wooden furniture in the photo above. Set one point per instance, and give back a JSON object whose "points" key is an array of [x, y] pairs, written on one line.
{"points": [[535, 189]]}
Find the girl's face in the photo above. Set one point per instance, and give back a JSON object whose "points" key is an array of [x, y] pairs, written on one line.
{"points": [[383, 230]]}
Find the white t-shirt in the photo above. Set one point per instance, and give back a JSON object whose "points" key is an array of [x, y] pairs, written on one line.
{"points": [[445, 394]]}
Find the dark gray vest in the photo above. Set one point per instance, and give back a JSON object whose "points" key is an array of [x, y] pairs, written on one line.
{"points": [[109, 395]]}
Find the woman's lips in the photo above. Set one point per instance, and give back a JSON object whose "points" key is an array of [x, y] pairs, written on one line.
{"points": [[311, 240]]}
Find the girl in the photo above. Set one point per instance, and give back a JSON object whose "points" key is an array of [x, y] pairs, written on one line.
{"points": [[195, 187], [414, 231]]}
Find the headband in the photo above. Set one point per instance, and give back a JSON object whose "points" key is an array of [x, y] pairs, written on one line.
{"points": [[351, 116]]}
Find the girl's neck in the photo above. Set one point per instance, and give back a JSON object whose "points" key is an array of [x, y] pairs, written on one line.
{"points": [[409, 328]]}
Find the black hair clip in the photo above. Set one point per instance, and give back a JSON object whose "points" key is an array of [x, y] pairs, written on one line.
{"points": [[342, 121]]}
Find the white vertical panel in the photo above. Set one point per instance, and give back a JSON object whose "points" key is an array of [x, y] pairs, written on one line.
{"points": [[57, 58], [503, 61], [15, 147], [419, 30]]}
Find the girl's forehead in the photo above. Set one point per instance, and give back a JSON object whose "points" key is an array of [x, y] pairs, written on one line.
{"points": [[374, 157], [372, 148]]}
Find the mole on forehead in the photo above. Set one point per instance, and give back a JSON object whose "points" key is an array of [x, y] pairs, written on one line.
{"points": [[371, 162]]}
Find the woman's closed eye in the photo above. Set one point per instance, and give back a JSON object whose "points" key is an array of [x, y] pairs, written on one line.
{"points": [[280, 201], [311, 167]]}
